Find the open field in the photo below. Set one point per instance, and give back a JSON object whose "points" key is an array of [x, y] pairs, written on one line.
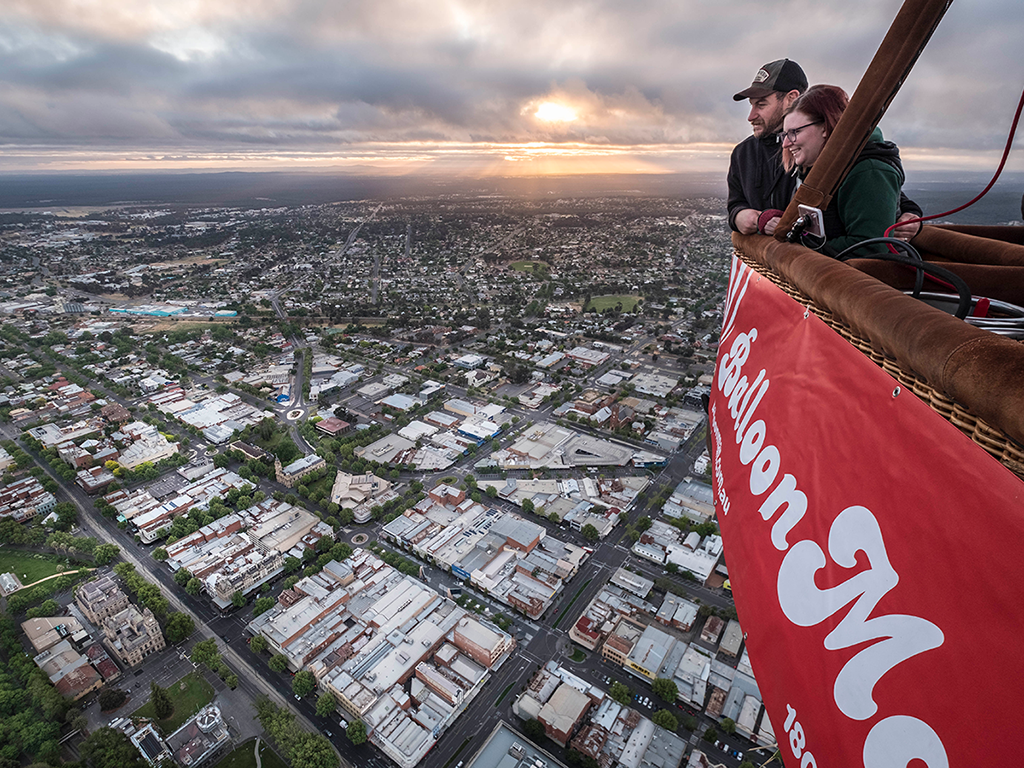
{"points": [[169, 324], [601, 303], [528, 266], [30, 566]]}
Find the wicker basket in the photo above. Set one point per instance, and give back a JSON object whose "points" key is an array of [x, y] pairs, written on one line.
{"points": [[763, 255]]}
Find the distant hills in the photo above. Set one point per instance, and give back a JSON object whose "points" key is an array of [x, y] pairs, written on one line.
{"points": [[934, 191]]}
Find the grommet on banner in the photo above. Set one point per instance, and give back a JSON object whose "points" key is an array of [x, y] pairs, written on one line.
{"points": [[896, 392], [807, 313]]}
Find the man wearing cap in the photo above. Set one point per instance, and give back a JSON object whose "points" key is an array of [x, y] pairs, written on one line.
{"points": [[757, 181]]}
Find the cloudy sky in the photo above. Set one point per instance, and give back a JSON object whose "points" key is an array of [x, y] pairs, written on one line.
{"points": [[505, 86]]}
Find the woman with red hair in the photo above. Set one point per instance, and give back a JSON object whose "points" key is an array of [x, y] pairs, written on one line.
{"points": [[868, 200]]}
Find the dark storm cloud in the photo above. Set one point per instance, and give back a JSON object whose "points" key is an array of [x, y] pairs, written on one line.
{"points": [[179, 77]]}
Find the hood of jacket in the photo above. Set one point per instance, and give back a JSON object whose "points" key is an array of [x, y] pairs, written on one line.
{"points": [[879, 149]]}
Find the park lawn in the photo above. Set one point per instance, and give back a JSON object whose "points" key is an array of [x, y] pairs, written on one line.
{"points": [[527, 266], [269, 758], [601, 303], [30, 567], [190, 694], [243, 757]]}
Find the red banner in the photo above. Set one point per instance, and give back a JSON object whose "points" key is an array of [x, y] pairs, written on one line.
{"points": [[874, 550]]}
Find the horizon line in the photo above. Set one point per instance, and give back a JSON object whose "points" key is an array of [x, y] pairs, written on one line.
{"points": [[470, 160]]}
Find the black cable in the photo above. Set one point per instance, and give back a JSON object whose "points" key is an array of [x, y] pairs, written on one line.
{"points": [[912, 252], [957, 282]]}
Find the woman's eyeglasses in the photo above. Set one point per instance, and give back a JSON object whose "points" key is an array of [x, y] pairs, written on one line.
{"points": [[792, 133]]}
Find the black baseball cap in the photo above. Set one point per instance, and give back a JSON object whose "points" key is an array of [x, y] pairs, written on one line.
{"points": [[780, 76]]}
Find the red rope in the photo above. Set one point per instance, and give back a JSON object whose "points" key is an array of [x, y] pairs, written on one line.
{"points": [[999, 170]]}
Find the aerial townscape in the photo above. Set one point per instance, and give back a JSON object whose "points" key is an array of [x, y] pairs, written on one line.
{"points": [[390, 482]]}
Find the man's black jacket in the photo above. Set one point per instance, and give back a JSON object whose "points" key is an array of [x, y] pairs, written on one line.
{"points": [[757, 179]]}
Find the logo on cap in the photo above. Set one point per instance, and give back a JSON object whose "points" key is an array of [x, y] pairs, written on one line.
{"points": [[761, 76]]}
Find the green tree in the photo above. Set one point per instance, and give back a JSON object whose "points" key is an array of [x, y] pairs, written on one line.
{"points": [[303, 683], [665, 719], [105, 553], [279, 662], [341, 551], [300, 748], [67, 514], [590, 532], [258, 644], [160, 554], [206, 653], [262, 605], [109, 748], [728, 725], [163, 707], [711, 734], [665, 689], [356, 732], [182, 577], [326, 704], [314, 751], [620, 693], [179, 626], [111, 698], [527, 505], [238, 599], [534, 729], [194, 586], [48, 608]]}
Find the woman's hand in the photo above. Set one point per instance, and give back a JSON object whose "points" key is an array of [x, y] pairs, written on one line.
{"points": [[906, 231]]}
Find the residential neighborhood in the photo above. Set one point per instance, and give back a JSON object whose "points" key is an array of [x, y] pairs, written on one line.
{"points": [[396, 478]]}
